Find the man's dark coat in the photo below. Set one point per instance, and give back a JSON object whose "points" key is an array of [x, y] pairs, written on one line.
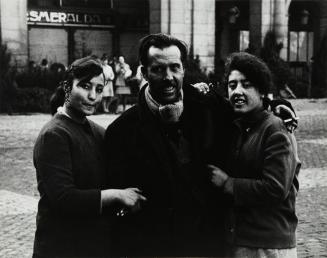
{"points": [[182, 213]]}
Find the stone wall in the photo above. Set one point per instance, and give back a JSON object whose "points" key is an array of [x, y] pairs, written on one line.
{"points": [[14, 29]]}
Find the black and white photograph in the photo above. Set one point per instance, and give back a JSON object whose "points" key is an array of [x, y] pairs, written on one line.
{"points": [[163, 128]]}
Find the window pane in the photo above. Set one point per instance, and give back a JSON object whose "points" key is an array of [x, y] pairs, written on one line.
{"points": [[293, 46], [310, 45], [303, 46], [244, 40]]}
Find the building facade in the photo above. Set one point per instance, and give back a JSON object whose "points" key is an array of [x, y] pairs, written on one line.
{"points": [[63, 30]]}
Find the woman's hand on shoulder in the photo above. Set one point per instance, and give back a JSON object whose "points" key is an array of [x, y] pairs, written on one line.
{"points": [[202, 87]]}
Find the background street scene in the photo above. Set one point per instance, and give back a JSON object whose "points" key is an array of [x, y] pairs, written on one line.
{"points": [[19, 196]]}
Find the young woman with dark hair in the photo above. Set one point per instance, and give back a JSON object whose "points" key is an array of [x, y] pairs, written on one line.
{"points": [[261, 178], [74, 210]]}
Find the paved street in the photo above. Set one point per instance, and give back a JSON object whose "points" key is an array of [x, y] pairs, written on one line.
{"points": [[19, 196]]}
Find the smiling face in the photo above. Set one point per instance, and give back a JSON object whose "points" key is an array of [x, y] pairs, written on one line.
{"points": [[85, 96], [164, 73], [244, 97]]}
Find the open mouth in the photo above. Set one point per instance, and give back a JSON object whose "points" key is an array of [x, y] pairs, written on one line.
{"points": [[169, 89], [89, 106], [239, 101]]}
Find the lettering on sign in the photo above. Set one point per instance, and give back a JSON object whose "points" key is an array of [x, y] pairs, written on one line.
{"points": [[34, 16]]}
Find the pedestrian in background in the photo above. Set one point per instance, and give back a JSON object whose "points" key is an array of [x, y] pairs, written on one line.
{"points": [[75, 207], [108, 90], [261, 182], [123, 72], [44, 66]]}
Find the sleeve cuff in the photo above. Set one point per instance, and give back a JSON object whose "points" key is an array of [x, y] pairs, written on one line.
{"points": [[100, 210], [229, 186]]}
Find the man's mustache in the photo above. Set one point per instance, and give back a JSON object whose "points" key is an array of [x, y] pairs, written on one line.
{"points": [[169, 83], [237, 96]]}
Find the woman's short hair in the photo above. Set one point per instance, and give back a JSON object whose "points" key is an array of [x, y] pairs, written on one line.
{"points": [[254, 69], [161, 41], [84, 68]]}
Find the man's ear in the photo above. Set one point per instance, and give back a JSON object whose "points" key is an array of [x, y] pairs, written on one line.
{"points": [[144, 72]]}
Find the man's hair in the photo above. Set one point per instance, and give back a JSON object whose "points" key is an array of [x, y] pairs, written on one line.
{"points": [[253, 68], [161, 41]]}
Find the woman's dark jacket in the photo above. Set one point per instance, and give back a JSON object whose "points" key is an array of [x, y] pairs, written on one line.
{"points": [[70, 176], [264, 168]]}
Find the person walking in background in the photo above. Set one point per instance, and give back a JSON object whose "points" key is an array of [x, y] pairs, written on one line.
{"points": [[44, 66], [75, 206], [123, 72], [108, 90], [261, 180]]}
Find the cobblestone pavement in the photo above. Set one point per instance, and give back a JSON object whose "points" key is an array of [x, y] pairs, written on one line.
{"points": [[19, 196]]}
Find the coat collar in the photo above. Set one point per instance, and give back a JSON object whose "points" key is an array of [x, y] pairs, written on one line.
{"points": [[249, 121]]}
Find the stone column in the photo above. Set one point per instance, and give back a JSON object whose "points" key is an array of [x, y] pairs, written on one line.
{"points": [[256, 25], [268, 15], [155, 16], [14, 29], [204, 32], [171, 17], [280, 23], [192, 21]]}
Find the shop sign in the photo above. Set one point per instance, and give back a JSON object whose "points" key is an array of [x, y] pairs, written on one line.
{"points": [[67, 18]]}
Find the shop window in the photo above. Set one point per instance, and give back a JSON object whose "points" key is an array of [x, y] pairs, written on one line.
{"points": [[244, 40], [300, 46]]}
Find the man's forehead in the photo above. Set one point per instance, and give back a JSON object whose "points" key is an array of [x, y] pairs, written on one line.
{"points": [[171, 52]]}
